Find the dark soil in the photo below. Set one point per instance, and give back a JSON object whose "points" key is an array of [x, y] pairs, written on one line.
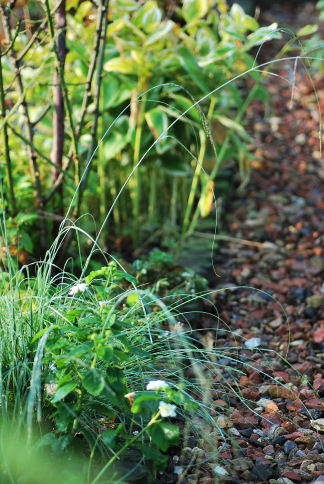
{"points": [[277, 434]]}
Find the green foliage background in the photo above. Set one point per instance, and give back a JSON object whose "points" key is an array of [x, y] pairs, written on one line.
{"points": [[154, 91]]}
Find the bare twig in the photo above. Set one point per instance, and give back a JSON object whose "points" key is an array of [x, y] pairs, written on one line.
{"points": [[40, 154], [104, 14], [28, 125], [86, 97], [58, 115], [60, 68], [12, 210], [35, 35]]}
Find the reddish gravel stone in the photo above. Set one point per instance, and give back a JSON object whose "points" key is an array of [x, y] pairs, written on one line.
{"points": [[244, 422], [278, 391], [293, 476], [251, 394], [294, 435]]}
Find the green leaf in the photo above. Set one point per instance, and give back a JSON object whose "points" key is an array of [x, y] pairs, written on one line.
{"points": [[159, 459], [194, 9], [119, 356], [237, 13], [145, 403], [164, 434], [83, 10], [111, 396], [250, 23], [64, 390], [139, 352], [229, 123], [160, 33], [307, 30], [262, 35], [128, 277], [219, 53], [175, 166], [157, 120], [122, 65], [189, 62], [103, 271], [148, 17], [105, 353], [110, 90], [132, 299], [93, 382], [114, 144], [109, 437], [26, 241], [26, 218], [151, 18], [185, 103], [116, 379], [40, 333]]}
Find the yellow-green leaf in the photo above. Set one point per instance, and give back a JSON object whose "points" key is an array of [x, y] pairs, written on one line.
{"points": [[122, 65], [194, 9], [307, 30]]}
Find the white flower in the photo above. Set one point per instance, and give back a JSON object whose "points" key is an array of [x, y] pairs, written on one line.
{"points": [[167, 410], [156, 385], [50, 389], [130, 397], [78, 288], [53, 368], [135, 432]]}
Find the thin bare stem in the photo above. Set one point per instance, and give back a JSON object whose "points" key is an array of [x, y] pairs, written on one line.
{"points": [[58, 114], [86, 97], [103, 13], [40, 154], [6, 147], [41, 28], [28, 125], [60, 68]]}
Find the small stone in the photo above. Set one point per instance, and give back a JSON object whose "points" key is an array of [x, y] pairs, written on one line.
{"points": [[281, 458], [252, 343], [264, 390], [279, 440], [292, 476], [269, 450], [280, 391], [299, 453], [246, 432], [289, 426], [250, 394], [278, 432], [244, 422], [242, 463], [284, 480], [289, 446], [234, 431], [319, 480], [262, 473], [224, 422], [318, 424], [220, 471], [264, 402], [307, 440], [178, 469], [315, 301]]}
